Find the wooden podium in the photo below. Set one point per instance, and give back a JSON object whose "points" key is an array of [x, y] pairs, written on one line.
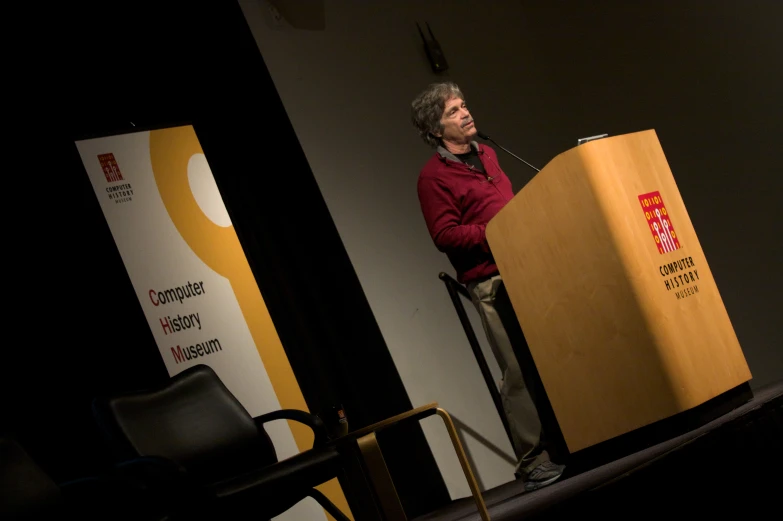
{"points": [[612, 290]]}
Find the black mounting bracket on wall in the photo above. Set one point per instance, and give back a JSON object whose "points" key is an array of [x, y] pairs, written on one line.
{"points": [[434, 52]]}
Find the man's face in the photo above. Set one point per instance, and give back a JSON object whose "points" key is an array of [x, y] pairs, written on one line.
{"points": [[458, 126]]}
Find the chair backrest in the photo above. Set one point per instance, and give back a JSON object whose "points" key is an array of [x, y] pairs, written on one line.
{"points": [[26, 491], [193, 419]]}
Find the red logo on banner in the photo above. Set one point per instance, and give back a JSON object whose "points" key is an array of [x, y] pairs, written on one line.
{"points": [[660, 222], [110, 168]]}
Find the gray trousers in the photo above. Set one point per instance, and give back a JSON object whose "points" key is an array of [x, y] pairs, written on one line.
{"points": [[519, 407]]}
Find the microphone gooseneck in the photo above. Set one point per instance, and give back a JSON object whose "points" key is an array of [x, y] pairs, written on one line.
{"points": [[486, 137]]}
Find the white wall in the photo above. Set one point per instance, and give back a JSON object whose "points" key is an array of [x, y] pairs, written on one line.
{"points": [[537, 75], [347, 91]]}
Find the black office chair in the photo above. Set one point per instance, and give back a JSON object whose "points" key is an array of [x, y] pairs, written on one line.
{"points": [[27, 493], [224, 463]]}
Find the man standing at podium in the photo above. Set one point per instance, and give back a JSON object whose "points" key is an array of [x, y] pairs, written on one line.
{"points": [[460, 189]]}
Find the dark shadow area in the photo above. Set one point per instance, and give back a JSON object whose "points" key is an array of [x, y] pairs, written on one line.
{"points": [[651, 482], [159, 66]]}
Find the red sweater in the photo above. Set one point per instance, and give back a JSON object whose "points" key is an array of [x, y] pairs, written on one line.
{"points": [[457, 202]]}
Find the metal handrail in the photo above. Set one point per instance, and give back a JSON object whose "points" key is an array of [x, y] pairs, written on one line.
{"points": [[456, 290]]}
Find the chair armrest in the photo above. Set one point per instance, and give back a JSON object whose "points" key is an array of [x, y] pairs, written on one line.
{"points": [[311, 420], [419, 413]]}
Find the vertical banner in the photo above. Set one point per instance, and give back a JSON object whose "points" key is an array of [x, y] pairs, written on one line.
{"points": [[192, 279]]}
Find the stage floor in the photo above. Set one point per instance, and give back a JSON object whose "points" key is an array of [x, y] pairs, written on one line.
{"points": [[733, 463]]}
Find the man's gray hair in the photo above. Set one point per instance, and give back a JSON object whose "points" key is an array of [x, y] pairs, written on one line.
{"points": [[427, 109]]}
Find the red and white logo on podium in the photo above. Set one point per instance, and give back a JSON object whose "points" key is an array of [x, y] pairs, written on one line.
{"points": [[660, 222], [110, 168]]}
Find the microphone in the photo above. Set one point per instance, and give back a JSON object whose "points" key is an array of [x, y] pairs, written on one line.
{"points": [[504, 149]]}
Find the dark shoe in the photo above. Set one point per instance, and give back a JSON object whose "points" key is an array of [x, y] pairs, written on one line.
{"points": [[544, 474]]}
